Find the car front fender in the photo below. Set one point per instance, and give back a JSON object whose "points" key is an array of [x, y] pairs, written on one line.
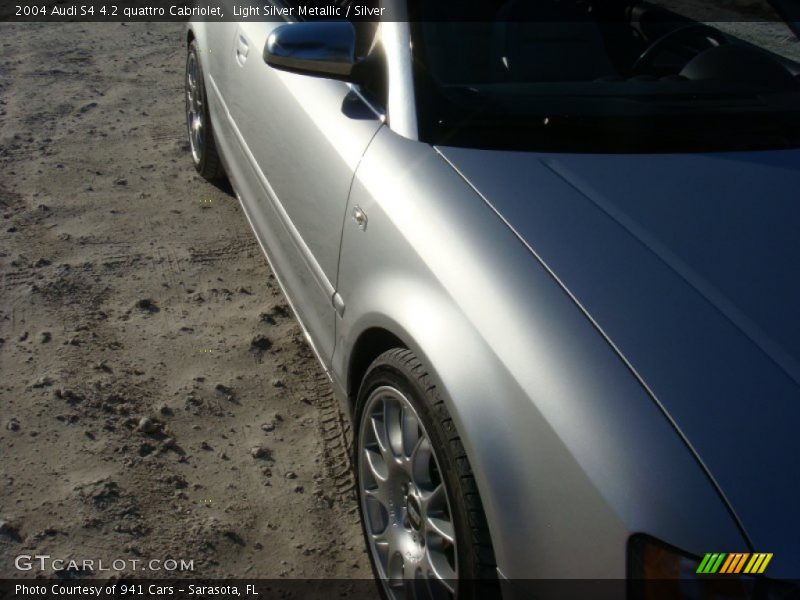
{"points": [[570, 453]]}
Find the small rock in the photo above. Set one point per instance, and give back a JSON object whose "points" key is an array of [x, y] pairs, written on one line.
{"points": [[102, 492], [146, 449], [234, 537], [147, 305], [225, 390], [298, 489], [13, 424], [260, 344], [278, 383], [70, 396], [45, 337], [179, 481], [148, 425], [260, 452], [121, 181], [103, 366], [267, 427], [43, 381], [168, 442], [9, 530], [291, 475]]}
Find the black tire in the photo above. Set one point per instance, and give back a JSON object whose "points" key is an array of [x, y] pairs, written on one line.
{"points": [[203, 148], [400, 369]]}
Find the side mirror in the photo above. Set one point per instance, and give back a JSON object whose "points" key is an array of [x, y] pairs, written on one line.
{"points": [[319, 49]]}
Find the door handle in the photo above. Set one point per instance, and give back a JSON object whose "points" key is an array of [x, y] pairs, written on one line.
{"points": [[242, 48]]}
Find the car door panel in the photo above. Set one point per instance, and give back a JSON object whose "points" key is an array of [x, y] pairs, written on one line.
{"points": [[303, 137], [282, 246], [214, 41]]}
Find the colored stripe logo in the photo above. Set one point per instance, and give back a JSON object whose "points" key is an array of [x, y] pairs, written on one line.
{"points": [[735, 562]]}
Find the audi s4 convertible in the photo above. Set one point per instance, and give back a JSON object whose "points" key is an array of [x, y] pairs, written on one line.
{"points": [[549, 255]]}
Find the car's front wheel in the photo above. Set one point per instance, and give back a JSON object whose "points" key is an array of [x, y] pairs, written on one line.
{"points": [[423, 521]]}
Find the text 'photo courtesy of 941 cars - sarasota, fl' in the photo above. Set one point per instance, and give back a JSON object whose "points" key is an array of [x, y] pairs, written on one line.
{"points": [[550, 260]]}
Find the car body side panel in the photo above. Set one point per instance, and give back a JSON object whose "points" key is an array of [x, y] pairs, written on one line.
{"points": [[214, 45], [291, 145], [305, 136], [570, 453], [258, 202]]}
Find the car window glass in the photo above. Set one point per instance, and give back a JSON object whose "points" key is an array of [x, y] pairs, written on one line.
{"points": [[610, 75]]}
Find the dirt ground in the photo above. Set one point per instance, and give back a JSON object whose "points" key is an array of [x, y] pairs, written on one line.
{"points": [[157, 399]]}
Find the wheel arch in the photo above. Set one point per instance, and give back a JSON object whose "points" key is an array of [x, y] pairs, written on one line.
{"points": [[369, 345], [386, 325]]}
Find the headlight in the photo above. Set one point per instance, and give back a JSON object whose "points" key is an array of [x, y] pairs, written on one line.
{"points": [[657, 571]]}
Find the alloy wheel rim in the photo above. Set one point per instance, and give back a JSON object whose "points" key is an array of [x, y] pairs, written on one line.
{"points": [[194, 108], [404, 502]]}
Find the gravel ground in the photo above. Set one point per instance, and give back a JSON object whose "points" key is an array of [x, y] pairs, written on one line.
{"points": [[157, 399]]}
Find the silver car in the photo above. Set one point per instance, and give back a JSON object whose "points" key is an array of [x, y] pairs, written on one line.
{"points": [[549, 255]]}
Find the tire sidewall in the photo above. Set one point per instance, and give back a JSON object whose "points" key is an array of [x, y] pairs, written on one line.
{"points": [[394, 374]]}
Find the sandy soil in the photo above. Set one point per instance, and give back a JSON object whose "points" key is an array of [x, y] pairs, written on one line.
{"points": [[157, 399]]}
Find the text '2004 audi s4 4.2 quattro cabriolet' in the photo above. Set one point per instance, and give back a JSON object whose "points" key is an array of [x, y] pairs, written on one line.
{"points": [[550, 260]]}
